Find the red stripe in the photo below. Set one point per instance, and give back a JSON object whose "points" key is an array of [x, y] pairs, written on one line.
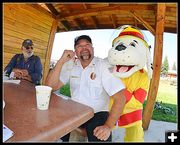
{"points": [[137, 34], [130, 117], [128, 95], [140, 95]]}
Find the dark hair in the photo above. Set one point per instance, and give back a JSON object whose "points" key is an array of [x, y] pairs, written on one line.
{"points": [[27, 42], [82, 37]]}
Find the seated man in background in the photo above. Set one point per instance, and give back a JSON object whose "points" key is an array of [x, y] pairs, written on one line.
{"points": [[26, 65]]}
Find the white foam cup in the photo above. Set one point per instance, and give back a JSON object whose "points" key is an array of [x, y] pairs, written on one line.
{"points": [[43, 94]]}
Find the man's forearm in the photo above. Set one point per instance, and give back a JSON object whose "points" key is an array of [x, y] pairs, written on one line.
{"points": [[53, 76], [117, 108]]}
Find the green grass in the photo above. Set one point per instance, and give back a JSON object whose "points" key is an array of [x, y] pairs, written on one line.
{"points": [[167, 94], [65, 90], [169, 114]]}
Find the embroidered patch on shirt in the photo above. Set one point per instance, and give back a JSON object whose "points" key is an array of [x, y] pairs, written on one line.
{"points": [[93, 76]]}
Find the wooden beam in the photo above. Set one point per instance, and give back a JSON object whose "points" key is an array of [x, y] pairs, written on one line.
{"points": [[65, 25], [113, 19], [85, 6], [49, 50], [135, 22], [52, 9], [55, 13], [42, 9], [95, 22], [148, 111], [116, 9], [93, 19], [64, 21], [58, 29], [79, 23], [145, 24]]}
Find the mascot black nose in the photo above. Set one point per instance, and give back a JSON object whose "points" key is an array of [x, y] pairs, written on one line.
{"points": [[120, 47]]}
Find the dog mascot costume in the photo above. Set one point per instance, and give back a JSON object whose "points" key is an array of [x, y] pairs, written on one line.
{"points": [[127, 57]]}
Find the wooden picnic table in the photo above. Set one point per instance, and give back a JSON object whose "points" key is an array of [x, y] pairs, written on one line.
{"points": [[30, 124]]}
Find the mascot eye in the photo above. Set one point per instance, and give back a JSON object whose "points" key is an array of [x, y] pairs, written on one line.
{"points": [[133, 44]]}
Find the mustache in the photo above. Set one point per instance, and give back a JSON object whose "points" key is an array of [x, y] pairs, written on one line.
{"points": [[27, 55], [85, 52]]}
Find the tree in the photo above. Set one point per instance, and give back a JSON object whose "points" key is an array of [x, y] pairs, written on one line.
{"points": [[174, 66], [165, 66]]}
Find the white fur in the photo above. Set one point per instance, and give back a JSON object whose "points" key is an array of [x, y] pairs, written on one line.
{"points": [[138, 55]]}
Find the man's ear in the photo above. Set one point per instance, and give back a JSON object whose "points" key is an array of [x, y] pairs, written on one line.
{"points": [[22, 47]]}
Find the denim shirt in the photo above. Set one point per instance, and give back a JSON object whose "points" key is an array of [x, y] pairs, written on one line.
{"points": [[32, 65]]}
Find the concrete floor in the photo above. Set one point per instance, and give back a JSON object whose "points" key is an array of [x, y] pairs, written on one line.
{"points": [[155, 133]]}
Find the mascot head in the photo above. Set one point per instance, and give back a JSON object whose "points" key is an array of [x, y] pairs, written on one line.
{"points": [[129, 52]]}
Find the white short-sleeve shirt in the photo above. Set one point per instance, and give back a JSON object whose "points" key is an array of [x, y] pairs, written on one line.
{"points": [[91, 86]]}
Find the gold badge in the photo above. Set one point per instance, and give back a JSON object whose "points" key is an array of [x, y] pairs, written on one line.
{"points": [[93, 76]]}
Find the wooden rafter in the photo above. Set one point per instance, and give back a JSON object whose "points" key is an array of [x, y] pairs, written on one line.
{"points": [[95, 22], [96, 11], [64, 21], [52, 9], [55, 13], [65, 25], [148, 111], [68, 9], [135, 22], [144, 23], [84, 11], [79, 23], [85, 6], [93, 19], [113, 19]]}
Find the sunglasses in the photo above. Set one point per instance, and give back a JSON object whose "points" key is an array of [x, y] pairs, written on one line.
{"points": [[29, 47]]}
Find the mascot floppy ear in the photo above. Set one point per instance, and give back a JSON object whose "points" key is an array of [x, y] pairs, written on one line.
{"points": [[148, 63]]}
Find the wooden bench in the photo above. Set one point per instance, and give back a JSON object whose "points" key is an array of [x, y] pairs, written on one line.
{"points": [[78, 135], [81, 131]]}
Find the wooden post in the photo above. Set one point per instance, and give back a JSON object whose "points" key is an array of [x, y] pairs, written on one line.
{"points": [[49, 50], [148, 111]]}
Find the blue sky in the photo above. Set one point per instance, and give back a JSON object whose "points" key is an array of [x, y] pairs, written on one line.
{"points": [[102, 40]]}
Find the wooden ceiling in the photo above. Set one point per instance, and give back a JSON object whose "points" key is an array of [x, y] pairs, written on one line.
{"points": [[85, 16]]}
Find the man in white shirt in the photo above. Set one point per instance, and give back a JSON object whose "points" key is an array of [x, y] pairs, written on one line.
{"points": [[91, 84]]}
